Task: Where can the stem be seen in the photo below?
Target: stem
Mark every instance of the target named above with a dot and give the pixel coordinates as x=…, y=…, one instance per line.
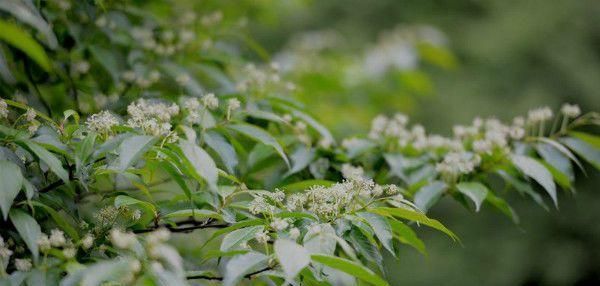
x=249, y=275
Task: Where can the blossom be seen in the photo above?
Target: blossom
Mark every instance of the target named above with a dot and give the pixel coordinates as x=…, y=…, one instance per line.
x=279, y=224
x=120, y=239
x=3, y=109
x=30, y=114
x=101, y=122
x=349, y=171
x=294, y=233
x=455, y=164
x=57, y=238
x=570, y=110
x=69, y=252
x=44, y=242
x=262, y=237
x=210, y=101
x=23, y=264
x=158, y=236
x=87, y=242
x=539, y=115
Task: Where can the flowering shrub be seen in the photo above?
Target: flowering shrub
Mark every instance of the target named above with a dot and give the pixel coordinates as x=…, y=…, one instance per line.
x=105, y=191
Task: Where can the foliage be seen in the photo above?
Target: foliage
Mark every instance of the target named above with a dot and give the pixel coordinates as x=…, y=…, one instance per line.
x=199, y=141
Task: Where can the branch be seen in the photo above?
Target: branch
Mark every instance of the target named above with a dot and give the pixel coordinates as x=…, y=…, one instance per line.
x=179, y=228
x=206, y=277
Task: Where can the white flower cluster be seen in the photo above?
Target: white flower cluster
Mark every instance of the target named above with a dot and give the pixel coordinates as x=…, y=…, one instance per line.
x=102, y=122
x=143, y=81
x=57, y=239
x=5, y=252
x=3, y=109
x=266, y=202
x=570, y=110
x=352, y=172
x=166, y=43
x=196, y=108
x=152, y=117
x=539, y=115
x=456, y=164
x=258, y=80
x=122, y=239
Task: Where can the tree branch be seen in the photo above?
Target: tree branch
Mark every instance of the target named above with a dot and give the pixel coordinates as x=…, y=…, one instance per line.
x=206, y=277
x=194, y=224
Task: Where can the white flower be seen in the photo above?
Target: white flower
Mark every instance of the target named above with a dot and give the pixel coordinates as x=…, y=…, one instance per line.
x=57, y=238
x=33, y=127
x=154, y=75
x=456, y=164
x=539, y=115
x=279, y=224
x=3, y=109
x=191, y=104
x=295, y=202
x=81, y=67
x=233, y=104
x=5, y=252
x=69, y=252
x=23, y=264
x=137, y=214
x=483, y=146
x=87, y=242
x=294, y=233
x=210, y=101
x=30, y=114
x=135, y=266
x=571, y=110
x=350, y=172
x=129, y=76
x=260, y=205
x=44, y=242
x=102, y=122
x=120, y=239
x=262, y=237
x=158, y=236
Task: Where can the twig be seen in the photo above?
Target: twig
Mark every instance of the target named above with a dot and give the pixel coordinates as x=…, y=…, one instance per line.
x=206, y=277
x=179, y=228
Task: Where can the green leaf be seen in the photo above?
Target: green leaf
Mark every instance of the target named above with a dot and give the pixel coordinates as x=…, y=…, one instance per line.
x=45, y=156
x=28, y=229
x=353, y=268
x=503, y=206
x=301, y=157
x=382, y=229
x=58, y=219
x=237, y=237
x=241, y=265
x=292, y=257
x=106, y=58
x=406, y=235
x=321, y=129
x=132, y=149
x=218, y=143
x=177, y=177
x=20, y=39
x=429, y=194
x=475, y=191
x=562, y=149
x=11, y=180
x=414, y=216
x=233, y=227
x=31, y=16
x=538, y=172
x=561, y=178
x=584, y=149
x=202, y=165
x=261, y=136
x=588, y=138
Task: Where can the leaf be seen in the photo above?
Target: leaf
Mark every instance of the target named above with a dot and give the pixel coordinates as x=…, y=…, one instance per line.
x=382, y=229
x=503, y=206
x=407, y=236
x=301, y=157
x=561, y=178
x=227, y=153
x=556, y=159
x=240, y=265
x=177, y=177
x=20, y=39
x=588, y=138
x=132, y=149
x=28, y=229
x=58, y=219
x=45, y=156
x=584, y=149
x=5, y=71
x=564, y=150
x=321, y=129
x=233, y=227
x=98, y=273
x=292, y=257
x=11, y=180
x=477, y=192
x=350, y=267
x=320, y=239
x=237, y=237
x=538, y=172
x=261, y=136
x=414, y=216
x=175, y=71
x=201, y=163
x=107, y=60
x=429, y=194
x=32, y=17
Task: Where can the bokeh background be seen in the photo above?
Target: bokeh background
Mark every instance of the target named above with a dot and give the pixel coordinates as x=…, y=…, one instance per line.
x=443, y=63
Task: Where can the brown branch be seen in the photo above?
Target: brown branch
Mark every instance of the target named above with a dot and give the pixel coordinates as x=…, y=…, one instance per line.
x=206, y=277
x=194, y=224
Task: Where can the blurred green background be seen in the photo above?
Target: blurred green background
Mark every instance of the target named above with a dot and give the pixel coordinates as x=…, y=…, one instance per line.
x=493, y=58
